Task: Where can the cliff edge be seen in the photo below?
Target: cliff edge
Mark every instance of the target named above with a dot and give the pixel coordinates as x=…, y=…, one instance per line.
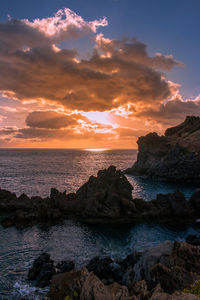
x=175, y=156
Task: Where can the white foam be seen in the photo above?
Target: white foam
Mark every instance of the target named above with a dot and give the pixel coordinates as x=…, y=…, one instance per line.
x=25, y=290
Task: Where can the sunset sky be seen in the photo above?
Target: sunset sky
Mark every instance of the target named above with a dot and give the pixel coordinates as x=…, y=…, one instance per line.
x=96, y=74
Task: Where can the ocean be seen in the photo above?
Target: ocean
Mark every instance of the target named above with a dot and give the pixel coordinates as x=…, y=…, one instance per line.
x=34, y=172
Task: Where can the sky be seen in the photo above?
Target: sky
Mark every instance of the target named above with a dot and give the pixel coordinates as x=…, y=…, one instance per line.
x=96, y=74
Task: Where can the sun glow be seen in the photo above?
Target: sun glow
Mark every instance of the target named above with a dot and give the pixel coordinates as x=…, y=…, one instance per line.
x=96, y=149
x=102, y=117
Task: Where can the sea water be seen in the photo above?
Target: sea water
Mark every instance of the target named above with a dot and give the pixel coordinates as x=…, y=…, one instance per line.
x=34, y=172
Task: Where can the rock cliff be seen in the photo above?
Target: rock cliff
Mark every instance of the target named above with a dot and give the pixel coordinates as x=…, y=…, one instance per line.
x=174, y=156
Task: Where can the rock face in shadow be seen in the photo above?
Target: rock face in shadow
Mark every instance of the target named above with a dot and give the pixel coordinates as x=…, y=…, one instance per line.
x=107, y=196
x=104, y=199
x=174, y=265
x=172, y=157
x=43, y=269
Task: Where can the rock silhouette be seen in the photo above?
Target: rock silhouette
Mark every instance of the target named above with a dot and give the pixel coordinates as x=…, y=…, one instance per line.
x=172, y=157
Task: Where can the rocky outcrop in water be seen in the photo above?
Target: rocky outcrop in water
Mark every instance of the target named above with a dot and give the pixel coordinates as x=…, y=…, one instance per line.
x=172, y=157
x=162, y=272
x=43, y=269
x=105, y=199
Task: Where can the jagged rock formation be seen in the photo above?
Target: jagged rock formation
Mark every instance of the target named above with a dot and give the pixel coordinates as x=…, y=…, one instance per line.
x=162, y=272
x=105, y=199
x=172, y=157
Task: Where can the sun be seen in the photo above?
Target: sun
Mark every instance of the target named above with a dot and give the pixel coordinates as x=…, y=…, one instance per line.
x=102, y=117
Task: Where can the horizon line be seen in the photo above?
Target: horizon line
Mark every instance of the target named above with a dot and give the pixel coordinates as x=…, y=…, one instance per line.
x=76, y=148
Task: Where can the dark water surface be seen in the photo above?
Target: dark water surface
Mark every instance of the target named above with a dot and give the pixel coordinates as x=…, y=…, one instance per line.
x=34, y=172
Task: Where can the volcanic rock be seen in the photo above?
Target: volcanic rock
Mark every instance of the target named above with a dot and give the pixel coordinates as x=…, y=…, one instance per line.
x=172, y=157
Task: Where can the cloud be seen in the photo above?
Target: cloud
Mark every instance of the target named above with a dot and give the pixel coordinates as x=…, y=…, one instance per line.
x=129, y=133
x=132, y=50
x=172, y=111
x=35, y=67
x=64, y=24
x=16, y=35
x=50, y=120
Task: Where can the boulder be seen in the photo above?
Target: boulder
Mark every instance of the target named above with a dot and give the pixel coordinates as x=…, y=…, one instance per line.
x=173, y=204
x=103, y=268
x=158, y=294
x=94, y=289
x=174, y=265
x=68, y=284
x=193, y=240
x=65, y=266
x=42, y=270
x=81, y=284
x=194, y=202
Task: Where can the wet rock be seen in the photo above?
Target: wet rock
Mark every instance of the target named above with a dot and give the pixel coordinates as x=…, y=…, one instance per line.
x=150, y=258
x=193, y=239
x=103, y=268
x=125, y=272
x=174, y=156
x=195, y=202
x=8, y=200
x=65, y=266
x=42, y=270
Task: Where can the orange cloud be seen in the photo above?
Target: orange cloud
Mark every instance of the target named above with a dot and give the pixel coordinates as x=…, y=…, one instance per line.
x=115, y=95
x=50, y=120
x=117, y=73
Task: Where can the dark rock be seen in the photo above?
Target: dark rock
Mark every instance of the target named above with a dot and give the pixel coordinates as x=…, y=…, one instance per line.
x=195, y=202
x=173, y=157
x=161, y=272
x=80, y=284
x=106, y=197
x=65, y=266
x=42, y=270
x=173, y=204
x=193, y=240
x=45, y=275
x=140, y=289
x=102, y=268
x=174, y=265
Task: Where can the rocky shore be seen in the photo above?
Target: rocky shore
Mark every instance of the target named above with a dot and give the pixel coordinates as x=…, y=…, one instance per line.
x=169, y=271
x=105, y=199
x=175, y=156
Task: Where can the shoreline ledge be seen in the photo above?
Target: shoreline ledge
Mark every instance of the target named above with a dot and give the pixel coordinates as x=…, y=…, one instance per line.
x=104, y=199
